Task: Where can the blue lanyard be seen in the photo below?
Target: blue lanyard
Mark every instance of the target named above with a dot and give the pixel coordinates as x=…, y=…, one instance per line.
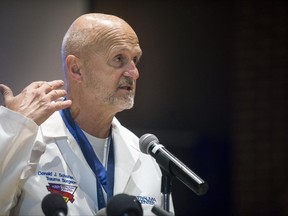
x=104, y=179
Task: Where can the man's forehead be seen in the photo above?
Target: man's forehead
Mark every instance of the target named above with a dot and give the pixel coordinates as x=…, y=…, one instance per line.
x=135, y=48
x=116, y=38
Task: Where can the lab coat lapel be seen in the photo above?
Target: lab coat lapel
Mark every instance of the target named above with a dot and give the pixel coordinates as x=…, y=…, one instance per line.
x=126, y=156
x=79, y=167
x=72, y=154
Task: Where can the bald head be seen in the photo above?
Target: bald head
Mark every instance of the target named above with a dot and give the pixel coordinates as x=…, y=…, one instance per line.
x=95, y=32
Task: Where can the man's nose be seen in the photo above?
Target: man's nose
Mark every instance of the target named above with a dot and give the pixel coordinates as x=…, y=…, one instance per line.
x=131, y=71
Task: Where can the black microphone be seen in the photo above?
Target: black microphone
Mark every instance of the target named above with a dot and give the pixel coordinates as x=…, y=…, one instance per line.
x=157, y=210
x=149, y=144
x=53, y=204
x=124, y=205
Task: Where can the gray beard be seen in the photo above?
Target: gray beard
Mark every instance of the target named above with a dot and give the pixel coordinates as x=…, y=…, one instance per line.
x=123, y=103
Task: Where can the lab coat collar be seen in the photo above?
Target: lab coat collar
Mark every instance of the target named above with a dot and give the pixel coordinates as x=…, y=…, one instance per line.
x=54, y=126
x=126, y=151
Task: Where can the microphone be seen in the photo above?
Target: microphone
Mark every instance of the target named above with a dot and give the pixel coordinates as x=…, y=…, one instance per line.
x=160, y=212
x=124, y=205
x=53, y=204
x=149, y=144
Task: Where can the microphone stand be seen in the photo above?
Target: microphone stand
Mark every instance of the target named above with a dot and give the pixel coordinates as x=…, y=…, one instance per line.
x=166, y=185
x=160, y=211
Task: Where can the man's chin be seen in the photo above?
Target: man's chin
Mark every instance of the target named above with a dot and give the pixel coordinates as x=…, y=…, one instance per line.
x=125, y=105
x=130, y=106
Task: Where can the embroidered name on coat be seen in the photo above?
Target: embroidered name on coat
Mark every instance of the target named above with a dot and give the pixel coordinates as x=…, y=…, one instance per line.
x=146, y=200
x=60, y=183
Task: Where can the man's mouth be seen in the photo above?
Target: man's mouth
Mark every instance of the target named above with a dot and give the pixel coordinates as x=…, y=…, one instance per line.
x=126, y=84
x=127, y=88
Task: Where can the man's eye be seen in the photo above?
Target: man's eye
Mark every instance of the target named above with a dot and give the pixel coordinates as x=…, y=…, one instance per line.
x=136, y=60
x=119, y=58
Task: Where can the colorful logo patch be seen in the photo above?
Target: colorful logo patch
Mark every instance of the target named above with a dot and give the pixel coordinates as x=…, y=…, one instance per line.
x=67, y=191
x=60, y=183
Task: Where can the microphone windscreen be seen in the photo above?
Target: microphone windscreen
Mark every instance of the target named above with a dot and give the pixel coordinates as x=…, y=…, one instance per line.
x=124, y=204
x=53, y=203
x=146, y=141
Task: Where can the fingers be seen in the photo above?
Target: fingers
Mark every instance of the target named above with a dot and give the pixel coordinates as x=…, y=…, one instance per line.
x=59, y=105
x=56, y=94
x=55, y=84
x=37, y=101
x=6, y=92
x=46, y=86
x=53, y=91
x=36, y=85
x=43, y=84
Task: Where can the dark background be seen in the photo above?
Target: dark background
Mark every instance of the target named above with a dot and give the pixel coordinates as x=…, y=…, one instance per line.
x=213, y=89
x=184, y=91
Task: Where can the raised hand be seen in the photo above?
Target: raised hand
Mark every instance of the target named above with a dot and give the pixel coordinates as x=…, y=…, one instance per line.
x=37, y=101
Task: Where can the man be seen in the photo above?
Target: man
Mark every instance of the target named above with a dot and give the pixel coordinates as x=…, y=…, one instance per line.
x=75, y=146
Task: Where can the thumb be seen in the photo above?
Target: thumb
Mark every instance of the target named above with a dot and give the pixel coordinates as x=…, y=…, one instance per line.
x=6, y=92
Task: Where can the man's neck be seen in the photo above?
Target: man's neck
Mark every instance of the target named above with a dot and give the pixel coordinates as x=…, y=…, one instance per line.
x=97, y=123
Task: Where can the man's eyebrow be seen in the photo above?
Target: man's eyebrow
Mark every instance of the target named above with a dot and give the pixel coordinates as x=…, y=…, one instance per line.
x=116, y=49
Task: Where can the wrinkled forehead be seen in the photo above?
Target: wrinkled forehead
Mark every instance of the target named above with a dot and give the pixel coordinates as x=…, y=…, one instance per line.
x=110, y=34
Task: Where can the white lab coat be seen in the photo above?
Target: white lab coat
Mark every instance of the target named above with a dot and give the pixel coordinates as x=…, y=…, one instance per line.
x=34, y=160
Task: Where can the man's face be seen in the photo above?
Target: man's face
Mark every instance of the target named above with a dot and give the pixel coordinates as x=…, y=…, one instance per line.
x=111, y=73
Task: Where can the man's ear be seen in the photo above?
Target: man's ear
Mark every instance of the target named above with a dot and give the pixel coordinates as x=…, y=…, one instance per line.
x=73, y=67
